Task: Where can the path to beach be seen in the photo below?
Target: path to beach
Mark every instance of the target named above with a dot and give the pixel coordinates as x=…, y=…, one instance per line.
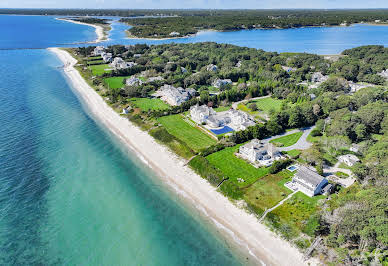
x=235, y=223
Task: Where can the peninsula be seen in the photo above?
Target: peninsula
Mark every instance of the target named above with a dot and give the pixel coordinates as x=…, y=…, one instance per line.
x=101, y=26
x=256, y=140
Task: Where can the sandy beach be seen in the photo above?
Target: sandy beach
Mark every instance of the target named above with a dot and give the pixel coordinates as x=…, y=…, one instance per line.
x=236, y=223
x=99, y=29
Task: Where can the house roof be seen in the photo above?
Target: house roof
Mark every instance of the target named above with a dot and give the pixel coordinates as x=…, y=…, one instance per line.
x=309, y=176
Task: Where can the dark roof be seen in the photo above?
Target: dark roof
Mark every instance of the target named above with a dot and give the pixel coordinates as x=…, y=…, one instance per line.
x=309, y=176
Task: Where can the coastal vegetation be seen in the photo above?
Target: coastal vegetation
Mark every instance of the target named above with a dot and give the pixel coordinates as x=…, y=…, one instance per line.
x=347, y=121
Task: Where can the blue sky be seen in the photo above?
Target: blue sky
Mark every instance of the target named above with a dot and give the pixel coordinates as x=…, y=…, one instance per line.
x=255, y=4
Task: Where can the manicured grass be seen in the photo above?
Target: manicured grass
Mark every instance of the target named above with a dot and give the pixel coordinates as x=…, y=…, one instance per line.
x=189, y=134
x=234, y=167
x=296, y=215
x=342, y=175
x=116, y=82
x=267, y=191
x=98, y=70
x=95, y=62
x=287, y=140
x=94, y=57
x=266, y=104
x=146, y=104
x=293, y=153
x=222, y=108
x=312, y=139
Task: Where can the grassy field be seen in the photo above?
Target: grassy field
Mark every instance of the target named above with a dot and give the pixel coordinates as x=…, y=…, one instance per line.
x=296, y=215
x=266, y=104
x=95, y=62
x=267, y=191
x=287, y=140
x=192, y=136
x=234, y=167
x=222, y=108
x=98, y=70
x=293, y=153
x=115, y=82
x=146, y=104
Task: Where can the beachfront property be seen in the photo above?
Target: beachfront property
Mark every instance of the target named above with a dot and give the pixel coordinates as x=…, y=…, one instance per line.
x=174, y=33
x=119, y=63
x=99, y=50
x=288, y=69
x=348, y=159
x=354, y=87
x=221, y=83
x=174, y=96
x=212, y=68
x=133, y=81
x=107, y=57
x=259, y=153
x=384, y=74
x=309, y=182
x=201, y=114
x=318, y=77
x=157, y=78
x=234, y=119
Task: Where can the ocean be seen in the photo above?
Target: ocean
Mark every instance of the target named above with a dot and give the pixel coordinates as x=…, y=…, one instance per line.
x=69, y=193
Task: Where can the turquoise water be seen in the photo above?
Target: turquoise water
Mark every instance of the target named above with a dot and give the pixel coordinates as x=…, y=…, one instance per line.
x=70, y=195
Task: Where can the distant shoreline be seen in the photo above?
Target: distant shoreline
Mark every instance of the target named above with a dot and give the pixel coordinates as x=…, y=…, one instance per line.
x=131, y=36
x=99, y=29
x=247, y=232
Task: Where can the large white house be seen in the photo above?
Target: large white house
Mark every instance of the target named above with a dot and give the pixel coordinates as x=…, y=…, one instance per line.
x=257, y=152
x=235, y=119
x=212, y=68
x=133, y=81
x=99, y=50
x=107, y=57
x=240, y=120
x=310, y=182
x=318, y=77
x=201, y=114
x=220, y=83
x=174, y=96
x=348, y=159
x=119, y=63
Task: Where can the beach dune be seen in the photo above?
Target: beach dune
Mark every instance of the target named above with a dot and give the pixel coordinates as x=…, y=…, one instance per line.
x=236, y=223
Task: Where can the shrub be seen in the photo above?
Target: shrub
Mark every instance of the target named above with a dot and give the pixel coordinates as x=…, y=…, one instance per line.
x=277, y=166
x=202, y=167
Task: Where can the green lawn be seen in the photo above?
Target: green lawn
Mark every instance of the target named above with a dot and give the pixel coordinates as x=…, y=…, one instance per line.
x=267, y=191
x=222, y=108
x=266, y=104
x=146, y=104
x=189, y=134
x=293, y=153
x=287, y=140
x=234, y=167
x=95, y=62
x=116, y=82
x=98, y=70
x=296, y=215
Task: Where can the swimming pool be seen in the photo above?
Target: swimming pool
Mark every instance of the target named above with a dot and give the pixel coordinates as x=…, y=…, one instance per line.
x=223, y=130
x=292, y=168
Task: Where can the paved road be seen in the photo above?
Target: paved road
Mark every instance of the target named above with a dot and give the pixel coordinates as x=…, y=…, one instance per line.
x=301, y=144
x=330, y=173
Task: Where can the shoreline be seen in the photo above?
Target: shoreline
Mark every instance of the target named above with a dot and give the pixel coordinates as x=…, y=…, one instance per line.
x=133, y=37
x=98, y=29
x=247, y=232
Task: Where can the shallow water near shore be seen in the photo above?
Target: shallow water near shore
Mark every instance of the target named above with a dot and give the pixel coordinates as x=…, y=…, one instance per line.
x=70, y=194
